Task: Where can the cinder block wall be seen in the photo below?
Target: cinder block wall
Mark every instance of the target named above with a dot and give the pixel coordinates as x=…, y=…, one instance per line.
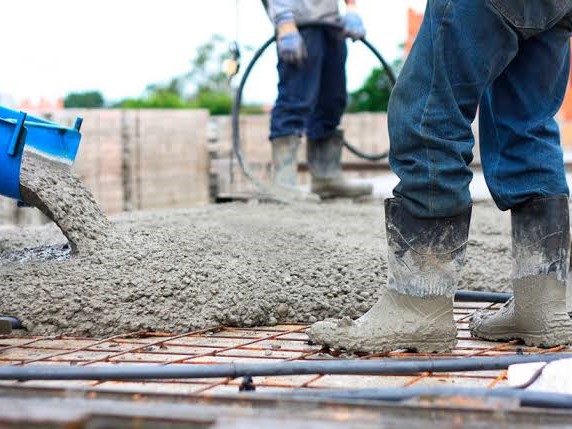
x=145, y=159
x=135, y=159
x=368, y=131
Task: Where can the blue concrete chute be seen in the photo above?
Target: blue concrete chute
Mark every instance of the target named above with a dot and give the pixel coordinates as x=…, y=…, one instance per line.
x=21, y=132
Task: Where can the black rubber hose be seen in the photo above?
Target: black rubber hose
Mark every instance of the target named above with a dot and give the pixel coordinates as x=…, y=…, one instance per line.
x=236, y=146
x=232, y=370
x=392, y=80
x=236, y=143
x=478, y=296
x=527, y=398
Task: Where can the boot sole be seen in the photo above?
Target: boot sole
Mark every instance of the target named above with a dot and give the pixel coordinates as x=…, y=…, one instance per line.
x=334, y=195
x=430, y=346
x=437, y=345
x=326, y=193
x=549, y=339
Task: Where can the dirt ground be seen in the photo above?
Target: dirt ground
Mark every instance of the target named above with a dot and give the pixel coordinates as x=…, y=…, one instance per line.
x=237, y=264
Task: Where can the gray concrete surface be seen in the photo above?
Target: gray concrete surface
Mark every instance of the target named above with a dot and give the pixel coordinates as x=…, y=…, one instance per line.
x=238, y=264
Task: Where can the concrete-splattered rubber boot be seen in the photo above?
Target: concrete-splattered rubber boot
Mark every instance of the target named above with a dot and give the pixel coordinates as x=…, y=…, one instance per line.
x=325, y=164
x=415, y=310
x=540, y=245
x=285, y=170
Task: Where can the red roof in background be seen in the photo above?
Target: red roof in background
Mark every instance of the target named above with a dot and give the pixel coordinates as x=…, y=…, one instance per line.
x=414, y=20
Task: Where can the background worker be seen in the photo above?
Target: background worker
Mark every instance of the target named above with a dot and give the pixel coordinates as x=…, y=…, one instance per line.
x=312, y=94
x=512, y=58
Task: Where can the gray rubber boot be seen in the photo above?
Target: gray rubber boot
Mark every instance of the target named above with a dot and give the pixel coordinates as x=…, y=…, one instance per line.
x=285, y=170
x=285, y=161
x=541, y=251
x=415, y=309
x=325, y=164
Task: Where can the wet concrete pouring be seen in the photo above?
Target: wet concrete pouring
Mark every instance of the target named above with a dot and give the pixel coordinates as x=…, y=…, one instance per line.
x=236, y=265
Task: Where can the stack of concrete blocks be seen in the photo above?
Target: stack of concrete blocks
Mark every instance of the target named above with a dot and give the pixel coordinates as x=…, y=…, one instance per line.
x=11, y=214
x=227, y=178
x=165, y=159
x=146, y=159
x=135, y=160
x=98, y=163
x=366, y=131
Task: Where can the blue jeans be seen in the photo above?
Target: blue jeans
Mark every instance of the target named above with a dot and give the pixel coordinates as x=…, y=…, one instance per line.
x=510, y=56
x=312, y=97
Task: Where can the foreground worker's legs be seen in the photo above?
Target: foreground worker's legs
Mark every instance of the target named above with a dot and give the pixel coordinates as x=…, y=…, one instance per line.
x=415, y=310
x=523, y=165
x=325, y=141
x=298, y=90
x=519, y=137
x=462, y=47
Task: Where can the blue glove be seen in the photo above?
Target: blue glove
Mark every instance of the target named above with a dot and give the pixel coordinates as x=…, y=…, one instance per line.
x=353, y=26
x=291, y=48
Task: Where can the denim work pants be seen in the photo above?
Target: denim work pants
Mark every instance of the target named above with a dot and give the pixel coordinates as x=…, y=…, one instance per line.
x=510, y=56
x=312, y=97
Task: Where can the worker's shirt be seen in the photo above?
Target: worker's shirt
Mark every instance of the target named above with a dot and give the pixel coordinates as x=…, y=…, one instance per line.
x=304, y=10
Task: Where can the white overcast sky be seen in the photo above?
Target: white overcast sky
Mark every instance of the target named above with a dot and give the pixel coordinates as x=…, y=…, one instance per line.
x=120, y=46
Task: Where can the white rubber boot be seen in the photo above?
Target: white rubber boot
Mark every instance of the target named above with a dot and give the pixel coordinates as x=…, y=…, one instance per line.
x=537, y=314
x=415, y=309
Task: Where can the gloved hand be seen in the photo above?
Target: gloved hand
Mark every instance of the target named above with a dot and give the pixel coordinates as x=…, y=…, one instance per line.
x=353, y=25
x=291, y=47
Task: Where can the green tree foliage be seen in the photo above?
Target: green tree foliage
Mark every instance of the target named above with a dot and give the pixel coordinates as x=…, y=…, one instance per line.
x=204, y=86
x=217, y=102
x=209, y=85
x=374, y=94
x=158, y=96
x=84, y=100
x=206, y=67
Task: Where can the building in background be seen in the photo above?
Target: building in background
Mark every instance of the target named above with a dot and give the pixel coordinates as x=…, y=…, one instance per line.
x=414, y=20
x=41, y=105
x=7, y=100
